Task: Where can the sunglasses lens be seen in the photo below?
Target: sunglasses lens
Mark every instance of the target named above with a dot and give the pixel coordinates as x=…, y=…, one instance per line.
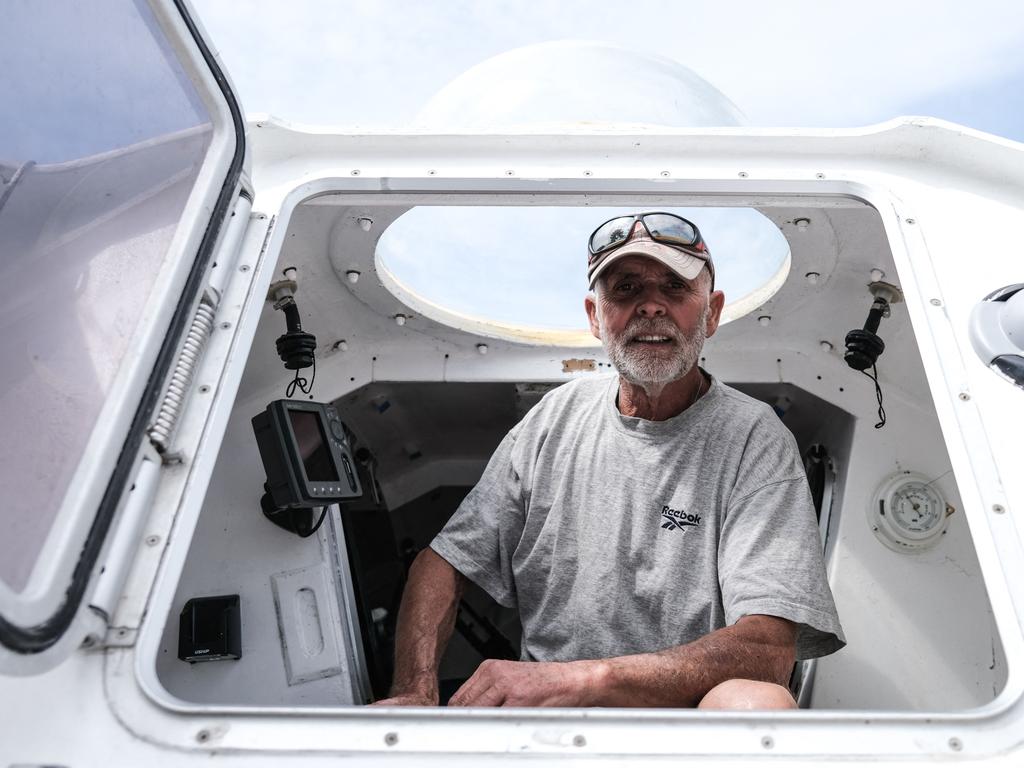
x=670, y=229
x=611, y=233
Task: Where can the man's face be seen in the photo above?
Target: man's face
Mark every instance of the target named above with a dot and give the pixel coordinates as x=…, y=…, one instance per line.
x=651, y=321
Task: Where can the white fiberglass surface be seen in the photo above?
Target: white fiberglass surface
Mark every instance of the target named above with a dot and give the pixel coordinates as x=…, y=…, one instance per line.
x=526, y=266
x=95, y=171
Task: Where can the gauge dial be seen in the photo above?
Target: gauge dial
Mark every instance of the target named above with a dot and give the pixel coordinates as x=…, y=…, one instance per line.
x=908, y=512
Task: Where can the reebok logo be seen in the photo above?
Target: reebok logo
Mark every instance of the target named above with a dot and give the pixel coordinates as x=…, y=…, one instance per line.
x=676, y=519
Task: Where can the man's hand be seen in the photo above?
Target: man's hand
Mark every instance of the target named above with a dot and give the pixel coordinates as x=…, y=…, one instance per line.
x=527, y=684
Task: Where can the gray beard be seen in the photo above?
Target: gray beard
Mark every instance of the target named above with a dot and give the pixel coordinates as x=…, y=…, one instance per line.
x=640, y=368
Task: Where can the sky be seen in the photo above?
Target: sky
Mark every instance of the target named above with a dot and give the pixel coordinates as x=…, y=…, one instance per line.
x=789, y=63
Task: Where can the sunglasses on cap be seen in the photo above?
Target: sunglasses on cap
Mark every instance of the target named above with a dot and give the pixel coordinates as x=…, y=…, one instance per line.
x=665, y=228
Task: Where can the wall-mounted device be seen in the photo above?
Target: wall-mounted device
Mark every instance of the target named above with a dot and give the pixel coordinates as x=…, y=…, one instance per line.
x=307, y=459
x=210, y=629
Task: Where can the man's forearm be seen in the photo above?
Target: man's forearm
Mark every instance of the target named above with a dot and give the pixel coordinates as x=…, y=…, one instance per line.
x=425, y=622
x=755, y=648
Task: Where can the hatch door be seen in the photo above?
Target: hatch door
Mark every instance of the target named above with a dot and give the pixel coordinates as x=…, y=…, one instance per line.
x=120, y=161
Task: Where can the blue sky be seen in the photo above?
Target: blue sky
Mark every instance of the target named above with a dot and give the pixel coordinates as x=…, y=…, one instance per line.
x=375, y=63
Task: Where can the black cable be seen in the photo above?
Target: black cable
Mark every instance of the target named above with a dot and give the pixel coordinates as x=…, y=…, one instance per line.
x=316, y=527
x=878, y=394
x=301, y=383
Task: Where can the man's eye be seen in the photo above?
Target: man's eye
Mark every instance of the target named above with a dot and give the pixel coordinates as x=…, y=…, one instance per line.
x=623, y=287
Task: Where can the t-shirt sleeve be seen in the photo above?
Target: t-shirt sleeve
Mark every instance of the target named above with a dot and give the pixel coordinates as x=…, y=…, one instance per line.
x=480, y=538
x=770, y=555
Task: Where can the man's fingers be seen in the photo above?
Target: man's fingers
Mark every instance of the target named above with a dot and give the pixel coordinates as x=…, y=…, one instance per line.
x=481, y=690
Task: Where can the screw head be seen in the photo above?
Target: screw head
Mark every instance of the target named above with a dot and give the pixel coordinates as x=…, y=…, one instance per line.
x=998, y=509
x=225, y=325
x=955, y=744
x=204, y=388
x=819, y=175
x=964, y=396
x=391, y=738
x=579, y=741
x=244, y=268
x=767, y=742
x=354, y=172
x=743, y=174
x=152, y=541
x=935, y=302
x=203, y=736
x=911, y=221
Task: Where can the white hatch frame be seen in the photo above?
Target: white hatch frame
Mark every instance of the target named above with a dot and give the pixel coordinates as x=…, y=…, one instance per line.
x=882, y=167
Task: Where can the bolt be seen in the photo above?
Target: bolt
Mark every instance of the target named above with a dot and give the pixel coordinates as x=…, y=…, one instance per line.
x=340, y=346
x=665, y=173
x=812, y=278
x=743, y=174
x=911, y=221
x=935, y=302
x=510, y=172
x=391, y=738
x=353, y=276
x=767, y=742
x=203, y=736
x=365, y=223
x=579, y=741
x=354, y=171
x=588, y=173
x=764, y=320
x=826, y=346
x=400, y=319
x=955, y=744
x=964, y=396
x=802, y=223
x=203, y=389
x=998, y=509
x=876, y=275
x=431, y=172
x=152, y=541
x=244, y=268
x=481, y=348
x=225, y=325
x=819, y=175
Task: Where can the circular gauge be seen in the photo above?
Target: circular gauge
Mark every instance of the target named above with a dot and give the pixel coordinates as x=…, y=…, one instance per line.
x=908, y=512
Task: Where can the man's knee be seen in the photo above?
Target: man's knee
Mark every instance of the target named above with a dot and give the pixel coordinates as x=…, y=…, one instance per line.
x=747, y=694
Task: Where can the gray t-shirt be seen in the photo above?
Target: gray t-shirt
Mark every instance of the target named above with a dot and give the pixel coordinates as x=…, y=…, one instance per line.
x=615, y=535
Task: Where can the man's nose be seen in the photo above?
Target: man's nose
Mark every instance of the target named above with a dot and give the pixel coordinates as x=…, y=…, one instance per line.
x=650, y=304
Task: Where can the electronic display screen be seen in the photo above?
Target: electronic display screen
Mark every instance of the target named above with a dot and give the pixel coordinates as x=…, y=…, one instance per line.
x=312, y=442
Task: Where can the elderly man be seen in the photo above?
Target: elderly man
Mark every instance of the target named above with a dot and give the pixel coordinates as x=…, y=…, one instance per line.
x=654, y=529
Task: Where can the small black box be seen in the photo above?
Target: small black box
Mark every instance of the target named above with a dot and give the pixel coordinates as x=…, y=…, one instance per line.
x=210, y=629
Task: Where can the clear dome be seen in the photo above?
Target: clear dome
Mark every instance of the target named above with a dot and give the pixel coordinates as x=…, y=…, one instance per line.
x=575, y=82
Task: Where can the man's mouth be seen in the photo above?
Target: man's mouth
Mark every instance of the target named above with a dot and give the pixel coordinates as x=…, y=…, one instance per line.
x=651, y=339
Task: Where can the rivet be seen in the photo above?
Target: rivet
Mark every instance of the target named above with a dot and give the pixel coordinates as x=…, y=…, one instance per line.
x=579, y=741
x=935, y=302
x=481, y=348
x=665, y=173
x=743, y=174
x=588, y=173
x=340, y=346
x=353, y=276
x=826, y=346
x=819, y=175
x=767, y=742
x=911, y=221
x=391, y=738
x=365, y=223
x=764, y=320
x=431, y=172
x=964, y=396
x=812, y=278
x=244, y=268
x=203, y=736
x=955, y=744
x=802, y=223
x=998, y=509
x=400, y=319
x=354, y=171
x=225, y=325
x=204, y=388
x=510, y=172
x=877, y=275
x=152, y=541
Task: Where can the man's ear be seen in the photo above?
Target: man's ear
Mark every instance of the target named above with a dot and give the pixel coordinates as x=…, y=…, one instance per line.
x=716, y=302
x=590, y=303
